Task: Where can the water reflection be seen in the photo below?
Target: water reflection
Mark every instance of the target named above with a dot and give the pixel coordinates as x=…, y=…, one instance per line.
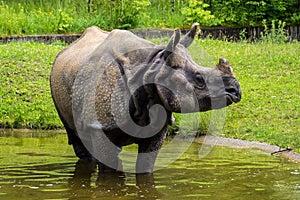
x=109, y=184
x=56, y=181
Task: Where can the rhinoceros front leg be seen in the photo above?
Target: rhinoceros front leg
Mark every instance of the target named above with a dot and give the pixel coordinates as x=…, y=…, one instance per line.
x=145, y=162
x=147, y=153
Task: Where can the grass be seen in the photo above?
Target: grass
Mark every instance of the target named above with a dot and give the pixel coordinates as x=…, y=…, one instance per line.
x=25, y=99
x=269, y=75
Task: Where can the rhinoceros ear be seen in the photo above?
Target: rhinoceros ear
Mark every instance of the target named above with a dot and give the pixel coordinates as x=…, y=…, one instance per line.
x=172, y=43
x=188, y=39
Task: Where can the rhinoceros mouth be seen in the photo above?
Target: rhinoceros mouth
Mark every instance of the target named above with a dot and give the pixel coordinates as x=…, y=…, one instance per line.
x=232, y=97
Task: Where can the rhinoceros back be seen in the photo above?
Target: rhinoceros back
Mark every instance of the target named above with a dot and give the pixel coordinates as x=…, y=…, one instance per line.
x=65, y=67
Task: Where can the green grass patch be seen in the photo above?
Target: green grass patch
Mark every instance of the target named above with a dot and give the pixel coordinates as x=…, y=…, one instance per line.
x=25, y=99
x=269, y=75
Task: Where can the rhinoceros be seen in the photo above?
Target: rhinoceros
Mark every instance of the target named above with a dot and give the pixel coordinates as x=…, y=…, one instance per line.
x=113, y=89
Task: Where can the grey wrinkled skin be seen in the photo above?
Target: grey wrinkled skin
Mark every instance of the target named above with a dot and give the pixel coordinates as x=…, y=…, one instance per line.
x=113, y=89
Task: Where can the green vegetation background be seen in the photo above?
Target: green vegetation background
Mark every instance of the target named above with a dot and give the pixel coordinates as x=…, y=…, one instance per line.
x=268, y=72
x=65, y=16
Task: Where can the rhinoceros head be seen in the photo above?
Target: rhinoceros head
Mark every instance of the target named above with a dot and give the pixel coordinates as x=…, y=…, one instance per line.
x=184, y=86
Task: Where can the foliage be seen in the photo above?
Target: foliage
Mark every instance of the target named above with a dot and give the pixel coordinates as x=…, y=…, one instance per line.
x=64, y=21
x=57, y=16
x=166, y=13
x=273, y=34
x=252, y=13
x=122, y=13
x=195, y=12
x=16, y=20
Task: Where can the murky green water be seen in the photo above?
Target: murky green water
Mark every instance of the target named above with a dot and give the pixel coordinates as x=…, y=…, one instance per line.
x=41, y=166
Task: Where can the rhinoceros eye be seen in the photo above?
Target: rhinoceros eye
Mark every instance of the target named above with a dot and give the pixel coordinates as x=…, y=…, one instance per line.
x=200, y=82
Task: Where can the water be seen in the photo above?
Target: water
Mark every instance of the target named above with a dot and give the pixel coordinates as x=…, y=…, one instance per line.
x=41, y=165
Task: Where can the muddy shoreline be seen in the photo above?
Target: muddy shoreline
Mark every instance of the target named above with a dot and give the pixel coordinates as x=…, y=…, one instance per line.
x=237, y=143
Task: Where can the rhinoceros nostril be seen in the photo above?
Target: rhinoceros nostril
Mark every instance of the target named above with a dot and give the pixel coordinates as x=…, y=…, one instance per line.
x=231, y=91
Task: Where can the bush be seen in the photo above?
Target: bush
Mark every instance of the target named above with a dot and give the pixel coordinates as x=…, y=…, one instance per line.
x=57, y=16
x=195, y=12
x=274, y=34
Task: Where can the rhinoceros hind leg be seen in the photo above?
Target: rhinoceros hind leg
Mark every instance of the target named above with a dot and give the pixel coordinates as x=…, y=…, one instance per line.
x=79, y=149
